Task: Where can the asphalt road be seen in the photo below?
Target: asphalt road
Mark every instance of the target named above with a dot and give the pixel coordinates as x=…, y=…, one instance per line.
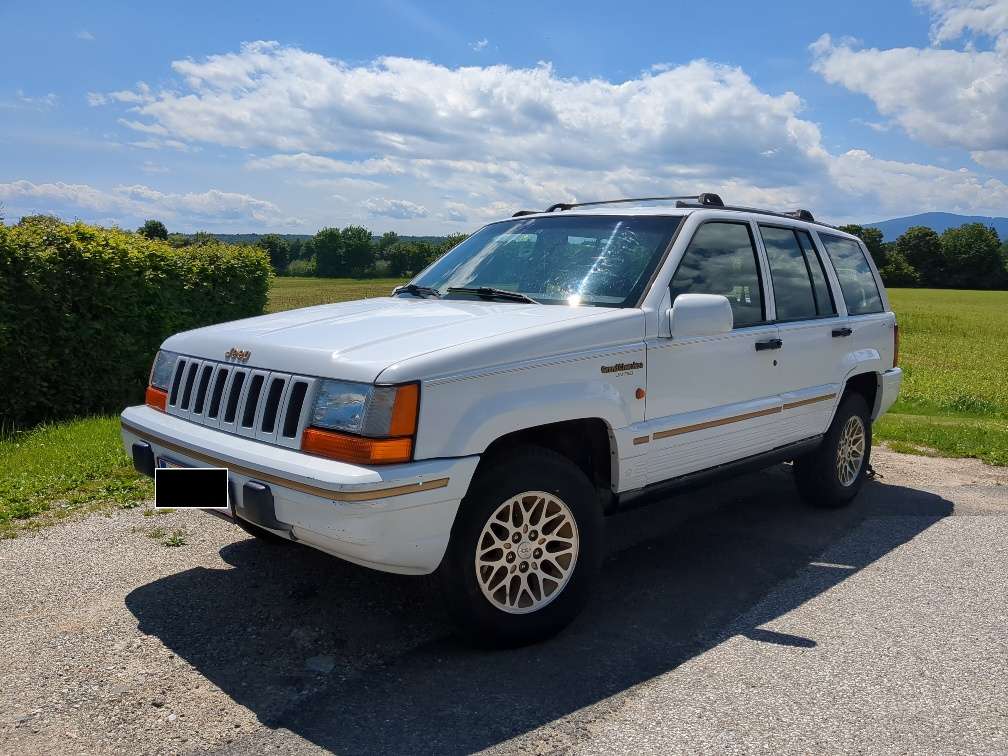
x=731, y=619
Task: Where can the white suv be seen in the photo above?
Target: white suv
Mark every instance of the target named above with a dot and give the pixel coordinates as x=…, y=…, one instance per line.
x=481, y=421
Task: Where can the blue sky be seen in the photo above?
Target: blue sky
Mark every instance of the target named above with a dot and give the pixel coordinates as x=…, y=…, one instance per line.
x=435, y=117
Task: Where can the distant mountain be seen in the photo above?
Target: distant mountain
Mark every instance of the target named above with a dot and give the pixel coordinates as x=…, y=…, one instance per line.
x=893, y=228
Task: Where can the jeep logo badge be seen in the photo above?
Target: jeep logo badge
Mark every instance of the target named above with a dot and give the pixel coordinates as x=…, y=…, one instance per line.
x=238, y=355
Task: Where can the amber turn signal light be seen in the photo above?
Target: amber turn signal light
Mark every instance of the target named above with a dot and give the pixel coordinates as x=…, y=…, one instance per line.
x=404, y=410
x=156, y=398
x=364, y=451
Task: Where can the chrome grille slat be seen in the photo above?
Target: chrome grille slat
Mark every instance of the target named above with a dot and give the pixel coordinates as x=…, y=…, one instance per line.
x=233, y=394
x=188, y=385
x=221, y=375
x=250, y=403
x=293, y=409
x=275, y=387
x=201, y=386
x=221, y=385
x=176, y=380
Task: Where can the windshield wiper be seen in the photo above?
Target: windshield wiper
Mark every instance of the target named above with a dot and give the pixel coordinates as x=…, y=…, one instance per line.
x=491, y=293
x=420, y=291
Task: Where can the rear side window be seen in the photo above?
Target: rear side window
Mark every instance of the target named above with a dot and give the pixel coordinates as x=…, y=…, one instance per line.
x=789, y=272
x=721, y=259
x=856, y=280
x=823, y=296
x=799, y=280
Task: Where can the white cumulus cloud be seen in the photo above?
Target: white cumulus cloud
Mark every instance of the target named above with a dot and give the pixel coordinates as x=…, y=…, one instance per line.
x=394, y=208
x=131, y=203
x=953, y=18
x=397, y=136
x=943, y=97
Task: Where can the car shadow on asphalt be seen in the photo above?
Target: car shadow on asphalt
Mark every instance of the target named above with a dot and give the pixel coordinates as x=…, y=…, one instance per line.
x=357, y=661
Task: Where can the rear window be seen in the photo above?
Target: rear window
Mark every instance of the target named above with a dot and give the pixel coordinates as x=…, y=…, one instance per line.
x=856, y=280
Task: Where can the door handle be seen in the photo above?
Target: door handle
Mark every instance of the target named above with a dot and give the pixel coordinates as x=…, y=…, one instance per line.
x=842, y=332
x=769, y=344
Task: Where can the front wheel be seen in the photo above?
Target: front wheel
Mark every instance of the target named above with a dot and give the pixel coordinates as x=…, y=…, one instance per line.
x=524, y=551
x=833, y=474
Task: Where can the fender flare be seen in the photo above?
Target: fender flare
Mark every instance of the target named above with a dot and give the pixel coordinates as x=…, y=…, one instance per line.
x=862, y=362
x=523, y=408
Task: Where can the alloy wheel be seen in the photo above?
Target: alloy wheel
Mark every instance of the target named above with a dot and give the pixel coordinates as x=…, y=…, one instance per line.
x=850, y=451
x=526, y=552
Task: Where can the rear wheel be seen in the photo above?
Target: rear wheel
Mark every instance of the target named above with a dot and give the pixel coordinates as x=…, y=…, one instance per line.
x=525, y=550
x=832, y=475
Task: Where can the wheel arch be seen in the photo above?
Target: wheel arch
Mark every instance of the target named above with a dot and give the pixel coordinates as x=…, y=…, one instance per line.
x=867, y=385
x=587, y=442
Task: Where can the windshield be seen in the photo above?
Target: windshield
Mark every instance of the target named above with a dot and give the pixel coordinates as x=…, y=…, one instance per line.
x=601, y=260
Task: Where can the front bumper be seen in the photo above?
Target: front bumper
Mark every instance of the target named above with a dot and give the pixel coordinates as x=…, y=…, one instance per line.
x=395, y=518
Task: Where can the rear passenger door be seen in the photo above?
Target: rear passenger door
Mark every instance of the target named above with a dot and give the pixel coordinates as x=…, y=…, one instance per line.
x=810, y=361
x=871, y=327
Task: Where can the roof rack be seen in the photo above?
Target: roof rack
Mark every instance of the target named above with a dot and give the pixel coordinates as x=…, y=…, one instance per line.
x=799, y=214
x=702, y=200
x=705, y=199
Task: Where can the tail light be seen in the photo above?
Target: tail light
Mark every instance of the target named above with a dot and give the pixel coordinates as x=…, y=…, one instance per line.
x=895, y=345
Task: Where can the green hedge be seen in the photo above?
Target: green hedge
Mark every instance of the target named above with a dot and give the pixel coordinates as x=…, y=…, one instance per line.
x=84, y=309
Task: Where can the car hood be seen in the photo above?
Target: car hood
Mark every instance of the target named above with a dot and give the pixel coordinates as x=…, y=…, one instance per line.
x=358, y=340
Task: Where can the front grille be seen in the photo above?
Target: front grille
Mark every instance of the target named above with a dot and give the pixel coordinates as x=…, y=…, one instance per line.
x=261, y=404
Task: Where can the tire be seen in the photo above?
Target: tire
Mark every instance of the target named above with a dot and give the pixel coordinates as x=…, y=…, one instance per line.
x=547, y=576
x=261, y=534
x=832, y=475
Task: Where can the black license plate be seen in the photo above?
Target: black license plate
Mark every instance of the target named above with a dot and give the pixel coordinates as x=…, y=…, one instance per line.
x=177, y=486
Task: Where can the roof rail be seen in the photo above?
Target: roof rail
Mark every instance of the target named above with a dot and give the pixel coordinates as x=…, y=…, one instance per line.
x=706, y=199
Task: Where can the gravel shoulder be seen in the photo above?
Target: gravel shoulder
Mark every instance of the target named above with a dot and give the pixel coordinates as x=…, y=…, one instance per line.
x=731, y=619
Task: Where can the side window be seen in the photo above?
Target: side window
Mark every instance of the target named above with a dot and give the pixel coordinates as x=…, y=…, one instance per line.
x=792, y=284
x=823, y=296
x=857, y=283
x=721, y=259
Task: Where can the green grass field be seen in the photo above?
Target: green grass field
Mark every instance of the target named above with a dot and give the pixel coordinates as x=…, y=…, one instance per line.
x=954, y=402
x=954, y=354
x=57, y=470
x=291, y=293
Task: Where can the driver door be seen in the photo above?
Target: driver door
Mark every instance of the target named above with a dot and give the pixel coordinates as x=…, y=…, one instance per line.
x=711, y=399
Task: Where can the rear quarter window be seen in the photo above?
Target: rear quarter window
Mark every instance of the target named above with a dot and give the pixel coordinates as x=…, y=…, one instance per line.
x=860, y=291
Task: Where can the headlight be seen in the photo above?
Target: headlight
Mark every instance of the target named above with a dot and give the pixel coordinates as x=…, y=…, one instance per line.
x=381, y=419
x=340, y=405
x=161, y=372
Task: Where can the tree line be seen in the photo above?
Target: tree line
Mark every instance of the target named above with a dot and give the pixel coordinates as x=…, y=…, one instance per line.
x=351, y=252
x=971, y=256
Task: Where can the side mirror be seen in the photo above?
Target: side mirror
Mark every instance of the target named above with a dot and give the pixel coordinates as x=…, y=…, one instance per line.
x=700, y=315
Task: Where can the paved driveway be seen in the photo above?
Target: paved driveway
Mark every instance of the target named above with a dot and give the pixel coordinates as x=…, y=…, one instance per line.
x=731, y=619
